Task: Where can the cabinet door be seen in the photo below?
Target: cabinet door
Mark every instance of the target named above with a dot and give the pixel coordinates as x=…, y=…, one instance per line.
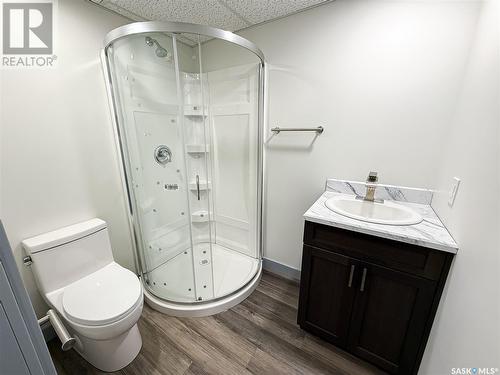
x=389, y=315
x=327, y=290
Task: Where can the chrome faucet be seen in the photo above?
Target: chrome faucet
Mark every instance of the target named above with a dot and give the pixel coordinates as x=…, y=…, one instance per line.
x=371, y=186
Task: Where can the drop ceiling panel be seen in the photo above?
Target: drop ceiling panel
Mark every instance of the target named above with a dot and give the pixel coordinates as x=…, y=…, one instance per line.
x=117, y=9
x=203, y=12
x=229, y=15
x=258, y=11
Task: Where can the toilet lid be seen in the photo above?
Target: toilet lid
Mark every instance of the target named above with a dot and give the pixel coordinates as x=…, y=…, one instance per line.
x=102, y=297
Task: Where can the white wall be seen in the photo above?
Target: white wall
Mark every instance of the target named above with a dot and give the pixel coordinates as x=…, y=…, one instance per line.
x=382, y=77
x=466, y=331
x=57, y=141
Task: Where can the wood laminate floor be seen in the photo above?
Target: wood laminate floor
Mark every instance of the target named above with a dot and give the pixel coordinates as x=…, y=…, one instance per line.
x=259, y=336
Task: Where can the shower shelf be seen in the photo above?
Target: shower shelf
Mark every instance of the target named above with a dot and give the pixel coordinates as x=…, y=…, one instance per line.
x=194, y=110
x=197, y=149
x=200, y=216
x=203, y=185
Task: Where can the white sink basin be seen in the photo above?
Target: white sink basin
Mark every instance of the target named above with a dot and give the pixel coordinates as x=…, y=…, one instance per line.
x=388, y=213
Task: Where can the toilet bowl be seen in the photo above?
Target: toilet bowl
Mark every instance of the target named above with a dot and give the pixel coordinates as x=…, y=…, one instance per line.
x=99, y=301
x=101, y=311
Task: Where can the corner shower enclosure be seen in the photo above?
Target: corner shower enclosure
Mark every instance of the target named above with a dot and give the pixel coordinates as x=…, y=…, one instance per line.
x=188, y=106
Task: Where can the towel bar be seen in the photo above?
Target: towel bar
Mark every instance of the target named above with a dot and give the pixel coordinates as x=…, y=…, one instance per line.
x=277, y=130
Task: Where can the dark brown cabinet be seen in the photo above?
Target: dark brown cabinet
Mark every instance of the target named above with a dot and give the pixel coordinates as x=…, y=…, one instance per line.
x=330, y=303
x=374, y=297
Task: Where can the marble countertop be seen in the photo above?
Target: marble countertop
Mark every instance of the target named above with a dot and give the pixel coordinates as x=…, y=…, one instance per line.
x=430, y=233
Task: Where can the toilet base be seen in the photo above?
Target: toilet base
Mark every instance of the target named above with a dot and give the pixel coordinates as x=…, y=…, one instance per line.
x=111, y=355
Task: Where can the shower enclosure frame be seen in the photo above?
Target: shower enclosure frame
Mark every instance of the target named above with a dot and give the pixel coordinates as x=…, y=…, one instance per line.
x=195, y=308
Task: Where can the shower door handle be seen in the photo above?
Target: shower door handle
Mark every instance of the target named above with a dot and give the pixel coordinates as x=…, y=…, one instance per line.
x=198, y=186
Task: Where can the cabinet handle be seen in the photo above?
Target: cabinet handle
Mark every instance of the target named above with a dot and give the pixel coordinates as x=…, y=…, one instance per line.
x=351, y=275
x=363, y=279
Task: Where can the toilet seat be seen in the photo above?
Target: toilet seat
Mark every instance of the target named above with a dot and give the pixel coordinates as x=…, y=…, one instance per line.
x=102, y=297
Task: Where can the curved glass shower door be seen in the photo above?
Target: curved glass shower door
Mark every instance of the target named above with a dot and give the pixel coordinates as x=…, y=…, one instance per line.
x=188, y=124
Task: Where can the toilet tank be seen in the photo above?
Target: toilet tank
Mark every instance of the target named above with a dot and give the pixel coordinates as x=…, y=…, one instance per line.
x=65, y=255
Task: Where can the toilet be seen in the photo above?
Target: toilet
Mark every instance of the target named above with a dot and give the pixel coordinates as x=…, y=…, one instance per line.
x=99, y=301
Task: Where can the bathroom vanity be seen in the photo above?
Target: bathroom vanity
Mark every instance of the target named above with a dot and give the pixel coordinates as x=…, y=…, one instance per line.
x=373, y=289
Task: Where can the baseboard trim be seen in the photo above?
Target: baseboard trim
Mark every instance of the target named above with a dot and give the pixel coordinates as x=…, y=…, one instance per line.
x=281, y=269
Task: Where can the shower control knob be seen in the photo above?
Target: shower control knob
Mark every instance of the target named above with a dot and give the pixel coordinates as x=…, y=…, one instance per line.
x=163, y=155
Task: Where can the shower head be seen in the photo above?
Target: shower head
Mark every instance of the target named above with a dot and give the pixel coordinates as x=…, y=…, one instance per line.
x=160, y=51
